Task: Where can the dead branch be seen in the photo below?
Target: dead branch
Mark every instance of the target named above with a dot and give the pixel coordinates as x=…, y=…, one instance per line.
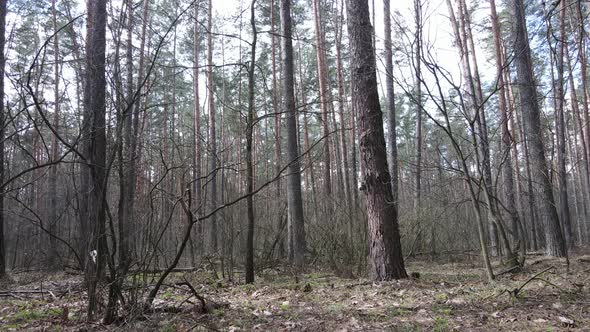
x=516, y=291
x=194, y=291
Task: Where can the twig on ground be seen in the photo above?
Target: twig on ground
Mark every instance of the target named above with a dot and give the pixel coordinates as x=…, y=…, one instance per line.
x=536, y=276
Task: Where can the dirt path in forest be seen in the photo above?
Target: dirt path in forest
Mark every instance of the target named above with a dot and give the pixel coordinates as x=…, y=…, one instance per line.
x=446, y=297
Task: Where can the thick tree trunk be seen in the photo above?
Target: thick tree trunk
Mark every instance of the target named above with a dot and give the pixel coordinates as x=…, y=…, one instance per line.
x=294, y=179
x=94, y=149
x=385, y=253
x=507, y=169
x=555, y=244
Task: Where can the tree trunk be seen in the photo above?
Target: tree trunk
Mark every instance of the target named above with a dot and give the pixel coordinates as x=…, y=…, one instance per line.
x=249, y=164
x=94, y=149
x=391, y=130
x=342, y=104
x=564, y=211
x=294, y=179
x=325, y=101
x=507, y=169
x=582, y=36
x=2, y=131
x=555, y=245
x=418, y=139
x=52, y=215
x=385, y=254
x=198, y=203
x=212, y=243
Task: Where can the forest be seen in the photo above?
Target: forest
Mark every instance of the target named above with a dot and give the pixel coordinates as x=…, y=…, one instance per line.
x=306, y=165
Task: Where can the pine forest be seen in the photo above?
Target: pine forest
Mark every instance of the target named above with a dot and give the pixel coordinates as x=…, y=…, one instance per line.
x=294, y=165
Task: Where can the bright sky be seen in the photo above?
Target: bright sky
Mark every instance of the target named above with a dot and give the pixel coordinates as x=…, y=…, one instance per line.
x=438, y=30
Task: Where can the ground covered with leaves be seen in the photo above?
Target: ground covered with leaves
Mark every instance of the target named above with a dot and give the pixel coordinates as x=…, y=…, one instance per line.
x=544, y=296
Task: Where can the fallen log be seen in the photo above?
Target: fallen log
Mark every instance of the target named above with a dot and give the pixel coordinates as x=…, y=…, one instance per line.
x=155, y=271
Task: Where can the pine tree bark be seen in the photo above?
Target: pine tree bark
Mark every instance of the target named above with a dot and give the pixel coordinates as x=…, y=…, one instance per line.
x=554, y=241
x=385, y=253
x=294, y=179
x=506, y=141
x=94, y=149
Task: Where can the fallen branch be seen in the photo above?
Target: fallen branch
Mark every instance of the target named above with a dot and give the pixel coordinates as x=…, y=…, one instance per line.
x=536, y=276
x=31, y=292
x=194, y=291
x=155, y=271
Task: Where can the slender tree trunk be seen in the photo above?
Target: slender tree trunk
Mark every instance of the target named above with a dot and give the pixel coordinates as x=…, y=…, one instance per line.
x=306, y=140
x=564, y=211
x=582, y=36
x=52, y=216
x=275, y=101
x=249, y=164
x=391, y=130
x=324, y=87
x=198, y=202
x=418, y=138
x=386, y=260
x=212, y=248
x=555, y=244
x=342, y=105
x=2, y=134
x=583, y=171
x=133, y=127
x=578, y=175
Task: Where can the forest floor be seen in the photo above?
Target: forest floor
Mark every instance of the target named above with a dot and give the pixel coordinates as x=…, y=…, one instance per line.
x=445, y=297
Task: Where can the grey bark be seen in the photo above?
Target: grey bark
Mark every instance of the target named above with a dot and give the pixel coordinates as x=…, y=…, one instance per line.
x=2, y=133
x=212, y=235
x=391, y=125
x=249, y=264
x=94, y=150
x=294, y=200
x=564, y=211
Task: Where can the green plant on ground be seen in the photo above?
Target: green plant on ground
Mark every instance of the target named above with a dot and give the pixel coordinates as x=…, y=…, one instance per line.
x=440, y=324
